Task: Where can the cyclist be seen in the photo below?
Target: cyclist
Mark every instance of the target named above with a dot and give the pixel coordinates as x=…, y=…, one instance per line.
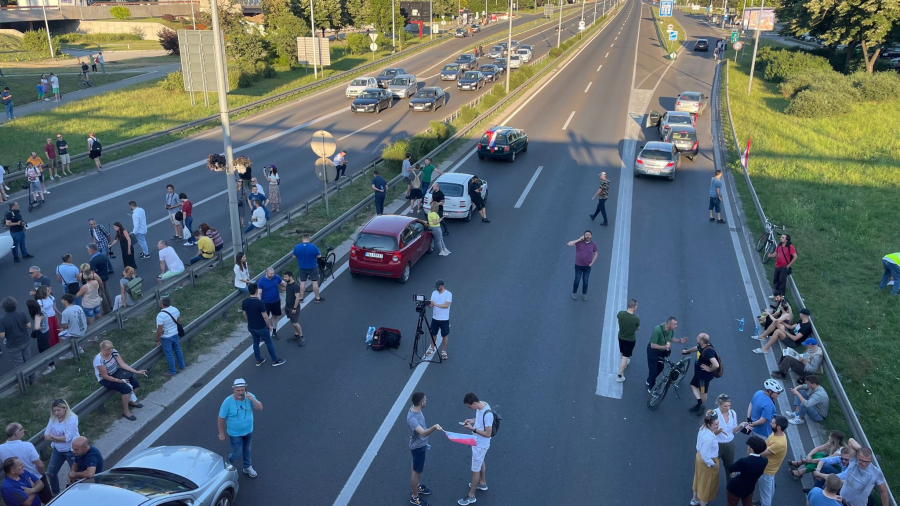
x=34, y=183
x=704, y=367
x=762, y=410
x=659, y=347
x=84, y=72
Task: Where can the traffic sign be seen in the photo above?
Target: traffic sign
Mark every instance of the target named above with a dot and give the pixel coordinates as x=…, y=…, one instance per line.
x=325, y=170
x=737, y=45
x=665, y=8
x=734, y=36
x=373, y=46
x=581, y=25
x=322, y=143
x=673, y=35
x=671, y=27
x=374, y=36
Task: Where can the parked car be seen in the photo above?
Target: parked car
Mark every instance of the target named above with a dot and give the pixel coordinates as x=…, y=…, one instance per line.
x=451, y=72
x=387, y=75
x=693, y=102
x=466, y=61
x=471, y=80
x=664, y=122
x=359, y=84
x=372, y=100
x=685, y=139
x=657, y=159
x=461, y=32
x=403, y=86
x=428, y=99
x=701, y=45
x=457, y=203
x=490, y=72
x=502, y=142
x=388, y=246
x=515, y=61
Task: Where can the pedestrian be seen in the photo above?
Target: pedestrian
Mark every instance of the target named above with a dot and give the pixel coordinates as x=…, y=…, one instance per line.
x=482, y=427
x=45, y=88
x=61, y=431
x=415, y=191
x=776, y=449
x=434, y=224
x=73, y=322
x=41, y=330
x=33, y=176
x=16, y=226
x=340, y=165
x=236, y=421
x=428, y=175
x=715, y=197
x=88, y=460
x=379, y=186
x=101, y=61
x=139, y=230
x=256, y=194
x=15, y=447
x=254, y=183
x=15, y=330
x=810, y=400
x=101, y=267
x=629, y=324
x=40, y=89
x=6, y=99
x=260, y=326
x=91, y=300
x=95, y=150
x=891, y=264
x=827, y=496
x=47, y=304
x=706, y=462
x=20, y=487
x=169, y=263
x=168, y=335
x=62, y=149
x=258, y=218
x=602, y=195
x=3, y=196
x=37, y=278
x=418, y=446
x=269, y=286
x=861, y=477
x=745, y=473
x=292, y=302
x=585, y=256
x=785, y=255
x=728, y=426
x=475, y=187
x=214, y=236
x=274, y=192
x=404, y=170
x=187, y=214
x=84, y=71
x=790, y=336
x=115, y=374
x=123, y=238
x=205, y=248
x=241, y=272
x=437, y=202
x=705, y=368
x=803, y=365
x=93, y=61
x=50, y=151
x=761, y=409
x=54, y=85
x=441, y=298
x=124, y=299
x=308, y=255
x=659, y=347
x=173, y=205
x=101, y=237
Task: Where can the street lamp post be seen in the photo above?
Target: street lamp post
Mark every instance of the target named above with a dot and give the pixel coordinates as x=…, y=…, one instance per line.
x=559, y=27
x=755, y=45
x=47, y=27
x=595, y=12
x=312, y=23
x=393, y=27
x=509, y=46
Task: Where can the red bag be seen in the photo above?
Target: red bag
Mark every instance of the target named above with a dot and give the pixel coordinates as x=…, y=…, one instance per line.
x=385, y=338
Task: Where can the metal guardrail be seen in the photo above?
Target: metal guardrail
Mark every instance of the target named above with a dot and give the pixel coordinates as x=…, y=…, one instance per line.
x=850, y=414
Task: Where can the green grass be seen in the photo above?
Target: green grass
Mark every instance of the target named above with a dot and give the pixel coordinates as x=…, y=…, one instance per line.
x=834, y=183
x=663, y=33
x=11, y=51
x=121, y=45
x=24, y=87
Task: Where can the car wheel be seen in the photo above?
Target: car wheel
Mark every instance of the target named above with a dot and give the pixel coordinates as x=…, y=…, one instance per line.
x=224, y=498
x=468, y=216
x=354, y=274
x=512, y=157
x=430, y=249
x=672, y=177
x=404, y=277
x=377, y=110
x=480, y=157
x=525, y=149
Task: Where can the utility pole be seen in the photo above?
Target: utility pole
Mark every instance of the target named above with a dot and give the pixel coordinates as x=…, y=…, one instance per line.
x=755, y=45
x=393, y=27
x=47, y=27
x=312, y=23
x=509, y=46
x=559, y=27
x=226, y=128
x=724, y=12
x=431, y=19
x=595, y=11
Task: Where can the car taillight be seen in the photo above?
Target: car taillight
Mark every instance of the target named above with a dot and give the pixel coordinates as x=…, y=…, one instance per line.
x=639, y=161
x=479, y=145
x=353, y=250
x=666, y=128
x=462, y=203
x=395, y=257
x=677, y=103
x=506, y=149
x=696, y=143
x=670, y=164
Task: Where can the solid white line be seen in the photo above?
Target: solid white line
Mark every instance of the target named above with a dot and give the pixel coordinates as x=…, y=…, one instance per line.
x=600, y=67
x=528, y=187
x=588, y=86
x=568, y=120
x=360, y=130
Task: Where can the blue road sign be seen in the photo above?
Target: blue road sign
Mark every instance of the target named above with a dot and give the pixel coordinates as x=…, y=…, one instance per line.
x=673, y=35
x=665, y=8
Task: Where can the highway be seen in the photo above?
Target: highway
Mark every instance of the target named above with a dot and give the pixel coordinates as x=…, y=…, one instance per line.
x=519, y=341
x=277, y=137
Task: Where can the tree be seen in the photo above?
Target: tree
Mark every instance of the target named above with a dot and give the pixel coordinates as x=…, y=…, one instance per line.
x=242, y=41
x=357, y=13
x=168, y=39
x=284, y=28
x=329, y=14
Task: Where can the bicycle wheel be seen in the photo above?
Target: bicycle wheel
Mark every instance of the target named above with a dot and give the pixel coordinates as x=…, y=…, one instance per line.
x=761, y=243
x=328, y=269
x=769, y=249
x=658, y=393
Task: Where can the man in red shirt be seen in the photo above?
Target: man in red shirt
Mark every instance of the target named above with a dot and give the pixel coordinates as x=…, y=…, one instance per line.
x=50, y=149
x=785, y=255
x=187, y=209
x=585, y=256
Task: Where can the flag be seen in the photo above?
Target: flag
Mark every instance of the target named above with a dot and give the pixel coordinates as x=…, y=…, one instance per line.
x=466, y=439
x=745, y=157
x=492, y=139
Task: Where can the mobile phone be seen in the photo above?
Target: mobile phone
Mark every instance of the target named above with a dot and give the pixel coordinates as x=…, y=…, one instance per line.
x=462, y=423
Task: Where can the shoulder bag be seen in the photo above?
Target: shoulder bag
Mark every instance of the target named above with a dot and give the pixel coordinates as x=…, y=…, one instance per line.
x=177, y=325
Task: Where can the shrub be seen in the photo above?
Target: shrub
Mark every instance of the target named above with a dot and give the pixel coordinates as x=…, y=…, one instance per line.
x=555, y=52
x=489, y=100
x=168, y=39
x=467, y=114
x=120, y=12
x=237, y=78
x=138, y=32
x=814, y=79
x=173, y=82
x=36, y=41
x=784, y=64
x=876, y=87
x=283, y=63
x=358, y=43
x=93, y=38
x=812, y=103
x=264, y=70
x=168, y=17
x=394, y=153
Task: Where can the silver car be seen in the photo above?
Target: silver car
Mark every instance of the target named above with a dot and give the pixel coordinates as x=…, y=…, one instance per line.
x=524, y=54
x=161, y=476
x=496, y=52
x=657, y=159
x=693, y=102
x=403, y=86
x=359, y=84
x=665, y=121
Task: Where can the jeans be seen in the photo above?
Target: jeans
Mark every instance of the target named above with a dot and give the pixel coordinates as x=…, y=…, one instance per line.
x=890, y=269
x=242, y=290
x=18, y=242
x=827, y=469
x=142, y=241
x=240, y=445
x=9, y=111
x=263, y=335
x=781, y=278
x=188, y=222
x=601, y=209
x=655, y=364
x=56, y=461
x=250, y=228
x=812, y=412
x=379, y=203
x=172, y=350
x=438, y=239
x=104, y=250
x=195, y=259
x=582, y=272
x=766, y=485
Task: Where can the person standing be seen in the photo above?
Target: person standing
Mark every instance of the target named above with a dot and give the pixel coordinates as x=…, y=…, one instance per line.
x=20, y=487
x=428, y=171
x=269, y=287
x=88, y=460
x=475, y=186
x=38, y=279
x=418, y=446
x=308, y=255
x=45, y=89
x=54, y=84
x=16, y=226
x=139, y=230
x=170, y=265
x=602, y=194
x=187, y=214
x=15, y=330
x=728, y=425
x=101, y=61
x=101, y=267
x=704, y=371
x=891, y=264
x=761, y=409
x=173, y=205
x=123, y=238
x=585, y=256
x=274, y=190
x=629, y=324
x=434, y=224
x=437, y=202
x=100, y=236
x=15, y=447
x=441, y=298
x=168, y=321
x=62, y=149
x=93, y=60
x=259, y=325
x=706, y=462
x=785, y=255
x=415, y=193
x=50, y=151
x=715, y=196
x=6, y=99
x=236, y=421
x=292, y=302
x=340, y=164
x=745, y=473
x=95, y=150
x=659, y=347
x=379, y=186
x=61, y=431
x=404, y=170
x=482, y=426
x=776, y=449
x=241, y=272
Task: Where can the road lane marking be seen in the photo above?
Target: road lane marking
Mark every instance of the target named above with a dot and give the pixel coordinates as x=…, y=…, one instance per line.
x=207, y=199
x=360, y=130
x=588, y=86
x=528, y=187
x=600, y=67
x=607, y=55
x=568, y=120
x=612, y=45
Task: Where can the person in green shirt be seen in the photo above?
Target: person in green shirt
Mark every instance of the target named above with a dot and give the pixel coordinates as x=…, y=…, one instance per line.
x=659, y=347
x=427, y=172
x=629, y=324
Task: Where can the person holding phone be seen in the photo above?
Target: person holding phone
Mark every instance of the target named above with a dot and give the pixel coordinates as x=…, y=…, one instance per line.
x=236, y=421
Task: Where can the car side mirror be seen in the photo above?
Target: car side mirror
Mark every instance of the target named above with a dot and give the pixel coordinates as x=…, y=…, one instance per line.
x=653, y=118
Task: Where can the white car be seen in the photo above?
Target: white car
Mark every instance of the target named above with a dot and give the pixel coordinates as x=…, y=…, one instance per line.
x=457, y=203
x=525, y=54
x=515, y=61
x=6, y=243
x=359, y=84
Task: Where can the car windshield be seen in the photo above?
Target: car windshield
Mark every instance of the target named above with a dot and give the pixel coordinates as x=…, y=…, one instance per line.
x=501, y=62
x=680, y=120
x=402, y=81
x=470, y=75
x=426, y=94
x=360, y=82
x=389, y=73
x=656, y=154
x=514, y=57
x=148, y=482
x=487, y=68
x=683, y=136
x=368, y=94
x=452, y=190
x=690, y=97
x=497, y=48
x=500, y=139
x=451, y=67
x=376, y=242
x=523, y=51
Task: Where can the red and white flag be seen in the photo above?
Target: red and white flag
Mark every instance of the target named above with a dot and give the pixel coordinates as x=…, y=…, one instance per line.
x=465, y=439
x=745, y=158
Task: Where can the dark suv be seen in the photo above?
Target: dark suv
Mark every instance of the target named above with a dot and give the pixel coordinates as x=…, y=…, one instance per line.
x=502, y=142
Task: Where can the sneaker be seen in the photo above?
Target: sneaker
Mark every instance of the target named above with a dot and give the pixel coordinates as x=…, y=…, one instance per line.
x=779, y=375
x=418, y=501
x=249, y=471
x=48, y=370
x=620, y=379
x=796, y=420
x=293, y=339
x=695, y=408
x=584, y=297
x=260, y=362
x=47, y=191
x=485, y=220
x=466, y=500
x=443, y=253
x=574, y=297
x=188, y=243
x=712, y=219
x=756, y=337
x=480, y=486
x=721, y=221
x=278, y=362
x=427, y=491
x=144, y=257
x=759, y=351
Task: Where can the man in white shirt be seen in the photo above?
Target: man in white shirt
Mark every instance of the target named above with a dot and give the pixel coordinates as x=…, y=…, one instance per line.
x=169, y=263
x=482, y=426
x=440, y=316
x=340, y=164
x=139, y=219
x=22, y=450
x=258, y=218
x=54, y=84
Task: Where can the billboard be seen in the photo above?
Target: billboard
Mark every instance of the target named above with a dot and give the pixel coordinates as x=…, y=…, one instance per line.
x=416, y=11
x=751, y=17
x=306, y=51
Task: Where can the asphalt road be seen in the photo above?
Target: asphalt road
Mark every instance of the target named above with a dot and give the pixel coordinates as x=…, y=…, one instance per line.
x=277, y=137
x=518, y=340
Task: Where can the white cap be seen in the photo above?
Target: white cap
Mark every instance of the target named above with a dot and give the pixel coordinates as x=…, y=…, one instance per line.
x=239, y=383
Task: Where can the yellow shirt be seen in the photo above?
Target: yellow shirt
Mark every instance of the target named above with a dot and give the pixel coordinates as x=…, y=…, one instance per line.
x=36, y=161
x=205, y=247
x=777, y=446
x=434, y=221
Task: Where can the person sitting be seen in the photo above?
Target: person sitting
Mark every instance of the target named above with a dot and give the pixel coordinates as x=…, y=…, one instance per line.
x=784, y=318
x=808, y=363
x=830, y=448
x=835, y=464
x=771, y=313
x=828, y=496
x=792, y=337
x=115, y=374
x=205, y=247
x=810, y=399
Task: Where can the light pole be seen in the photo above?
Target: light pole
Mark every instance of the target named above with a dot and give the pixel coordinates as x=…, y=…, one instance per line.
x=559, y=27
x=431, y=19
x=393, y=27
x=226, y=128
x=312, y=23
x=755, y=45
x=47, y=27
x=724, y=12
x=583, y=2
x=595, y=11
x=509, y=46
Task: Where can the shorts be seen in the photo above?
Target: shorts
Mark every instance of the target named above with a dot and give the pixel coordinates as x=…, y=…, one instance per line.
x=701, y=384
x=64, y=158
x=789, y=342
x=415, y=193
x=418, y=456
x=273, y=308
x=172, y=217
x=478, y=455
x=715, y=203
x=56, y=90
x=478, y=203
x=626, y=348
x=442, y=325
x=122, y=388
x=308, y=274
x=93, y=154
x=293, y=317
x=90, y=312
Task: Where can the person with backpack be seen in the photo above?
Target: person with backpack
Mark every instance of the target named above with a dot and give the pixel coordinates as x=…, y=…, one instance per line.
x=129, y=289
x=415, y=189
x=95, y=150
x=706, y=367
x=483, y=426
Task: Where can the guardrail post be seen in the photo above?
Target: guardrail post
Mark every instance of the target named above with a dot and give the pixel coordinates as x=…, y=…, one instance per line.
x=20, y=377
x=193, y=276
x=119, y=319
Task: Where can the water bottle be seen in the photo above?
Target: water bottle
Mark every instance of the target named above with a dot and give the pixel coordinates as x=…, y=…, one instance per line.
x=370, y=335
x=741, y=325
x=756, y=331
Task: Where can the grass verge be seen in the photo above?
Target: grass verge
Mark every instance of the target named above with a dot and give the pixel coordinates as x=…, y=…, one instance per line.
x=662, y=32
x=833, y=182
x=25, y=86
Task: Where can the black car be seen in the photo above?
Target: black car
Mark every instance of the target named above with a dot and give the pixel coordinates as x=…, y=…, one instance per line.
x=501, y=63
x=471, y=80
x=387, y=75
x=701, y=45
x=490, y=72
x=428, y=99
x=685, y=139
x=502, y=142
x=476, y=28
x=372, y=100
x=461, y=32
x=451, y=72
x=466, y=61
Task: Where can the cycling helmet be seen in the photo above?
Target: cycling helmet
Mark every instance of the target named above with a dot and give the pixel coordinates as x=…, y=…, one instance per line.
x=774, y=386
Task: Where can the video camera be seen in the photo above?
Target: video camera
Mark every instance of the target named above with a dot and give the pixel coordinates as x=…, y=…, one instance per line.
x=421, y=302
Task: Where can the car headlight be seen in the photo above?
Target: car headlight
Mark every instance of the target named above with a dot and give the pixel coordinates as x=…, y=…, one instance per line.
x=229, y=467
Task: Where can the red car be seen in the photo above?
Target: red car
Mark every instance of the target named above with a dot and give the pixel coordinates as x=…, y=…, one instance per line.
x=388, y=246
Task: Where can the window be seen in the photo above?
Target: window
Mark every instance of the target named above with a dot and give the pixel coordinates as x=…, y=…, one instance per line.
x=407, y=236
x=452, y=190
x=417, y=229
x=376, y=242
x=682, y=136
x=656, y=154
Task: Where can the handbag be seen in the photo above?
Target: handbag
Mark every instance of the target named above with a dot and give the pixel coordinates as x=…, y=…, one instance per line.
x=177, y=325
x=122, y=374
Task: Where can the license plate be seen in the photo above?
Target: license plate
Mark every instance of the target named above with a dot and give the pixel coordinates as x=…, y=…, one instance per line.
x=418, y=107
x=369, y=254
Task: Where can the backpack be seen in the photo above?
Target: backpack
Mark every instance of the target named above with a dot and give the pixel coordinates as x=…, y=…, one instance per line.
x=495, y=427
x=133, y=288
x=385, y=338
x=721, y=370
x=415, y=181
x=96, y=146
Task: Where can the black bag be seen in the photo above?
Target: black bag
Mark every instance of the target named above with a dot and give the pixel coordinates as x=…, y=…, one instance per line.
x=177, y=325
x=179, y=216
x=385, y=338
x=495, y=427
x=122, y=374
x=72, y=288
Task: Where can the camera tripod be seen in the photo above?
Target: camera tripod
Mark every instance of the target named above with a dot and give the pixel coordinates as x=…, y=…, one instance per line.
x=416, y=359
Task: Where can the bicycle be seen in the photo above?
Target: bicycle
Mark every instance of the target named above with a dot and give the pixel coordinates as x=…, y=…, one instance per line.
x=326, y=264
x=84, y=82
x=766, y=243
x=671, y=376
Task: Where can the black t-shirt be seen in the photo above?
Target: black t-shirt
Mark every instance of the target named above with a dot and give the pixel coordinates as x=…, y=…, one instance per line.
x=62, y=147
x=805, y=329
x=380, y=183
x=99, y=264
x=706, y=355
x=84, y=67
x=290, y=295
x=13, y=325
x=473, y=187
x=255, y=309
x=749, y=470
x=15, y=217
x=438, y=196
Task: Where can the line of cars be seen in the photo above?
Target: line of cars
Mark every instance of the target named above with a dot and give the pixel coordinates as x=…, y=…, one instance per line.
x=678, y=136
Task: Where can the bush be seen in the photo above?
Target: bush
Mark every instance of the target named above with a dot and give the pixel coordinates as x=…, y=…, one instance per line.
x=812, y=103
x=264, y=70
x=467, y=114
x=237, y=78
x=555, y=52
x=168, y=17
x=811, y=80
x=138, y=32
x=120, y=12
x=93, y=38
x=784, y=64
x=283, y=63
x=168, y=39
x=877, y=87
x=489, y=100
x=394, y=153
x=36, y=41
x=173, y=82
x=358, y=43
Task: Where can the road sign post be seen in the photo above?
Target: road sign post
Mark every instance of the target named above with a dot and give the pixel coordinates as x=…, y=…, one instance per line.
x=323, y=145
x=665, y=8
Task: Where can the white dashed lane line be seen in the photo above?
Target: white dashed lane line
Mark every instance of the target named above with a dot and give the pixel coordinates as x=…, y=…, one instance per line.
x=600, y=67
x=588, y=86
x=568, y=120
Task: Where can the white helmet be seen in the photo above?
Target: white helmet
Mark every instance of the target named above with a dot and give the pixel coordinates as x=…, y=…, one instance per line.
x=773, y=385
